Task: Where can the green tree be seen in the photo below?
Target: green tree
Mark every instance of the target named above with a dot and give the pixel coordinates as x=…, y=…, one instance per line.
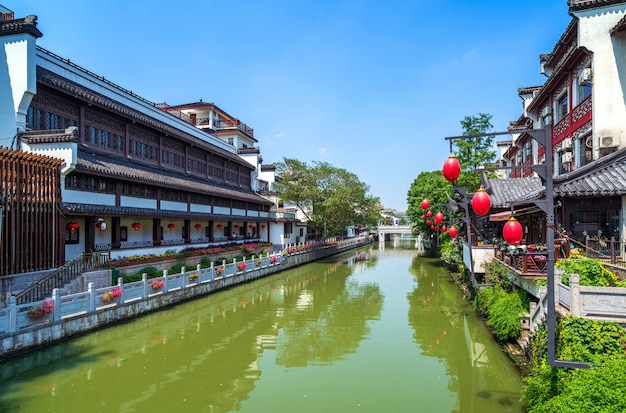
x=331, y=198
x=475, y=151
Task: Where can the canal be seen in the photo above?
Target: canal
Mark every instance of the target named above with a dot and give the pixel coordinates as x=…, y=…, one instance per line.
x=378, y=329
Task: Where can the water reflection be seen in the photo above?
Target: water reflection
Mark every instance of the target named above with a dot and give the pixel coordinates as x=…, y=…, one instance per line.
x=327, y=336
x=448, y=330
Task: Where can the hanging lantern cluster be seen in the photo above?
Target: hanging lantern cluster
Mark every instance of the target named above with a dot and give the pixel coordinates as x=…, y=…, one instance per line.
x=453, y=232
x=136, y=226
x=102, y=226
x=512, y=231
x=481, y=202
x=72, y=226
x=451, y=169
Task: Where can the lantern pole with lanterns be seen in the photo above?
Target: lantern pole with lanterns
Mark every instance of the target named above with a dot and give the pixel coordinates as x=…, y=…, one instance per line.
x=544, y=138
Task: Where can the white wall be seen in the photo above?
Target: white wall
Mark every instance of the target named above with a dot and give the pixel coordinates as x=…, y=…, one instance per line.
x=609, y=106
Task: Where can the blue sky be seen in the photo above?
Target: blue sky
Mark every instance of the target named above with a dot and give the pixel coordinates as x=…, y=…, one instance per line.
x=373, y=87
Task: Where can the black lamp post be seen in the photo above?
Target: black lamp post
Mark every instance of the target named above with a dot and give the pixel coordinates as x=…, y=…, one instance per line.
x=543, y=137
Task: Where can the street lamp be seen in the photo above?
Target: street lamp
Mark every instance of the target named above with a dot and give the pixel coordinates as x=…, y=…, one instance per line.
x=543, y=137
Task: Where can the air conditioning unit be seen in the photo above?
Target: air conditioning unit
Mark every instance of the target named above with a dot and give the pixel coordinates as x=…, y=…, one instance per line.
x=609, y=141
x=585, y=75
x=567, y=144
x=566, y=157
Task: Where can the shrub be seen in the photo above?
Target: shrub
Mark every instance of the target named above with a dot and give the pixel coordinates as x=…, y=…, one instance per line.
x=592, y=273
x=150, y=271
x=451, y=254
x=176, y=268
x=205, y=262
x=503, y=310
x=498, y=273
x=598, y=389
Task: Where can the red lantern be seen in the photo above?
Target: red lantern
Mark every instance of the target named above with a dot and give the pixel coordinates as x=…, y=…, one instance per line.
x=101, y=225
x=263, y=226
x=171, y=227
x=453, y=232
x=428, y=222
x=438, y=218
x=425, y=204
x=250, y=226
x=451, y=168
x=429, y=214
x=423, y=216
x=236, y=226
x=481, y=202
x=220, y=226
x=433, y=227
x=136, y=226
x=444, y=229
x=198, y=227
x=512, y=231
x=72, y=226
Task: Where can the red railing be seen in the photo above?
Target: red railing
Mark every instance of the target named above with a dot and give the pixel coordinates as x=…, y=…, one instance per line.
x=574, y=120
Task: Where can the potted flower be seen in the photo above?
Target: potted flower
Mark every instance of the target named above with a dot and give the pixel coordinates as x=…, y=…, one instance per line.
x=259, y=261
x=42, y=310
x=273, y=259
x=219, y=270
x=108, y=296
x=193, y=276
x=157, y=284
x=241, y=266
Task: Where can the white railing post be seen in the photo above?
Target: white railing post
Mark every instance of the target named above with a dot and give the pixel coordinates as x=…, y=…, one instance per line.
x=183, y=281
x=198, y=268
x=212, y=272
x=574, y=295
x=56, y=299
x=120, y=285
x=144, y=292
x=12, y=314
x=167, y=282
x=91, y=288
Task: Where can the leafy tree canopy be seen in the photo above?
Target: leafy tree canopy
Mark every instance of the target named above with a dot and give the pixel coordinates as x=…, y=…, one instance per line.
x=474, y=152
x=331, y=198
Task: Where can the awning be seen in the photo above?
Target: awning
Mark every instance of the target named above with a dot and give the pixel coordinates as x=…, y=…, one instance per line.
x=500, y=216
x=505, y=215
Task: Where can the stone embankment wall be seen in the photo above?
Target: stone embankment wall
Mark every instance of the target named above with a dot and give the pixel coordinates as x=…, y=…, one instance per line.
x=98, y=307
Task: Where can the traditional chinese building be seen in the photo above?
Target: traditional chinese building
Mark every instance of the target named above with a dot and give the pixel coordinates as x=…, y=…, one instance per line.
x=137, y=177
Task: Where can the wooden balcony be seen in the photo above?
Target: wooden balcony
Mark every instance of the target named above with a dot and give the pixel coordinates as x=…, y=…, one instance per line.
x=573, y=121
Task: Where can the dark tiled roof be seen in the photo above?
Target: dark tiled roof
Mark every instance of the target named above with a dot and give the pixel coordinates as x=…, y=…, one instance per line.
x=49, y=78
x=106, y=211
x=505, y=191
x=17, y=26
x=104, y=165
x=604, y=177
x=620, y=26
x=576, y=5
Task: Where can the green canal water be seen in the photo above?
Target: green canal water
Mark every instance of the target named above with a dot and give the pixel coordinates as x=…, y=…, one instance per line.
x=379, y=329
